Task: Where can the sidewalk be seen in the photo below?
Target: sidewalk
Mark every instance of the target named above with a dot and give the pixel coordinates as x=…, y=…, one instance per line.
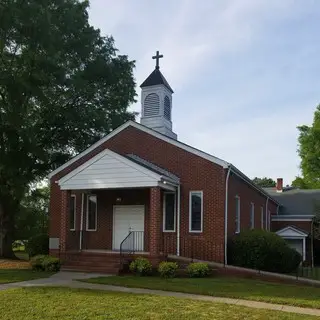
x=69, y=279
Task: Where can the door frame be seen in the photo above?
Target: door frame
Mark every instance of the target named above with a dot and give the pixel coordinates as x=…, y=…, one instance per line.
x=113, y=219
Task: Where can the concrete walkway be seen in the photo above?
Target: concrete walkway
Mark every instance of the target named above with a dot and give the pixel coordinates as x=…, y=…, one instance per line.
x=69, y=279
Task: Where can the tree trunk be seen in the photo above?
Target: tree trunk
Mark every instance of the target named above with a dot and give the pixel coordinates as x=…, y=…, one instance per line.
x=6, y=232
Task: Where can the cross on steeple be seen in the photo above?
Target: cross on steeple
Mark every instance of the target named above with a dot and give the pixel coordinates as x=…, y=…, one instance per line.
x=157, y=57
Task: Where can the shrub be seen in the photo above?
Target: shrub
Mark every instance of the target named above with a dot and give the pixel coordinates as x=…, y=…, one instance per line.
x=262, y=250
x=45, y=263
x=167, y=269
x=37, y=262
x=51, y=264
x=141, y=266
x=198, y=270
x=38, y=244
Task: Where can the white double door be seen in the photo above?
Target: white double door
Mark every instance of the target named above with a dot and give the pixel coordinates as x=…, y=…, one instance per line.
x=126, y=219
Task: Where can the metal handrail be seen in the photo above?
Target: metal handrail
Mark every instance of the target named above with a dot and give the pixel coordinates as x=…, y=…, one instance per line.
x=130, y=244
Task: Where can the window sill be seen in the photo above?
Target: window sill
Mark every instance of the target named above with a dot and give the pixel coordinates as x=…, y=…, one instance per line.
x=169, y=231
x=91, y=230
x=73, y=230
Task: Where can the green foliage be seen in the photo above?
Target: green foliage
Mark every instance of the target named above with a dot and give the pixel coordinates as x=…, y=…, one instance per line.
x=264, y=182
x=262, y=250
x=38, y=245
x=45, y=263
x=198, y=270
x=32, y=218
x=141, y=266
x=309, y=152
x=167, y=269
x=63, y=86
x=37, y=262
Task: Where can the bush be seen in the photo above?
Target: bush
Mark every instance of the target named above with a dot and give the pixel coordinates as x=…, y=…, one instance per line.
x=38, y=245
x=262, y=250
x=51, y=264
x=45, y=263
x=167, y=269
x=198, y=270
x=37, y=262
x=141, y=266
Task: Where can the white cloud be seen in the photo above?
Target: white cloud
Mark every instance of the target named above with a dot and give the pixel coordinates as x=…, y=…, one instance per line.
x=196, y=38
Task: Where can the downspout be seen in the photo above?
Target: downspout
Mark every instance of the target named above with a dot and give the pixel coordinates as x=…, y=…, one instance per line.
x=312, y=254
x=226, y=218
x=267, y=219
x=178, y=220
x=81, y=221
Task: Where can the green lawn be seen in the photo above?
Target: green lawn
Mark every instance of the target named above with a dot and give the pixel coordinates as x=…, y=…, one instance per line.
x=225, y=287
x=10, y=275
x=62, y=303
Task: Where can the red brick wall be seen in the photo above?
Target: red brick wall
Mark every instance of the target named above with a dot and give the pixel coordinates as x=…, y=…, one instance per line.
x=195, y=173
x=248, y=195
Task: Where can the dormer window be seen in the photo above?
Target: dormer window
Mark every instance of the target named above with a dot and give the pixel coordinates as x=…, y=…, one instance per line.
x=151, y=105
x=167, y=108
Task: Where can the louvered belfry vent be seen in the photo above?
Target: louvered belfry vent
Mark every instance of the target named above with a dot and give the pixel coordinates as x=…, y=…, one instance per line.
x=167, y=108
x=151, y=105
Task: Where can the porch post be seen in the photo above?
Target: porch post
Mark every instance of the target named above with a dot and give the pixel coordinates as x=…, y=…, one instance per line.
x=303, y=249
x=65, y=203
x=155, y=222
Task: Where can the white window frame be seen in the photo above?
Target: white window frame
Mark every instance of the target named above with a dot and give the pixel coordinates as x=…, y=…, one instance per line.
x=190, y=211
x=164, y=212
x=252, y=215
x=74, y=212
x=87, y=213
x=238, y=211
x=262, y=216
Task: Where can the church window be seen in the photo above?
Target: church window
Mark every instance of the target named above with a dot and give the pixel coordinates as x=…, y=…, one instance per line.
x=195, y=211
x=169, y=212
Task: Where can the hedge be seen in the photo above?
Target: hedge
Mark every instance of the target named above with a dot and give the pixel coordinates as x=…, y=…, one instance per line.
x=262, y=250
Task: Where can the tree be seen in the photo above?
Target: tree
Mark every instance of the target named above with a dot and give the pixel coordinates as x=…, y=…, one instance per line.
x=32, y=218
x=309, y=152
x=62, y=87
x=264, y=182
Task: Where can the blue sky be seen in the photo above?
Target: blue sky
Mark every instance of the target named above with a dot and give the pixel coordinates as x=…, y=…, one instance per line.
x=245, y=73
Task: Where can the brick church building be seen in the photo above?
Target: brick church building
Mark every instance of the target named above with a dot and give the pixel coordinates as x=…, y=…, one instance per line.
x=140, y=190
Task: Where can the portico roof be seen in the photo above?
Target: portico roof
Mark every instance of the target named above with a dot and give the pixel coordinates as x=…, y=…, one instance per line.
x=110, y=170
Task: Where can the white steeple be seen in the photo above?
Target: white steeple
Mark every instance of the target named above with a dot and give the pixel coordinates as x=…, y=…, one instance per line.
x=156, y=102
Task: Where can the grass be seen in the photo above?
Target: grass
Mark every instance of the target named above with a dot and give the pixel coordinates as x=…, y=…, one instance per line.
x=248, y=289
x=70, y=304
x=9, y=275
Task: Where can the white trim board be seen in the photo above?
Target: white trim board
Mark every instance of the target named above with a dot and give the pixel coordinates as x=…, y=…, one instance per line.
x=156, y=134
x=292, y=218
x=291, y=233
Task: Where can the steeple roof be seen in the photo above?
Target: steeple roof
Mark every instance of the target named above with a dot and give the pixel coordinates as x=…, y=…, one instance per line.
x=156, y=78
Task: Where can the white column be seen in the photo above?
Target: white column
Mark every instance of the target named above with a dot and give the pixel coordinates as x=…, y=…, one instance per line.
x=304, y=249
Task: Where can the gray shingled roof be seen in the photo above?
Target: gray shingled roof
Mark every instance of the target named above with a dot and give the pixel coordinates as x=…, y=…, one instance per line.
x=297, y=201
x=156, y=77
x=154, y=168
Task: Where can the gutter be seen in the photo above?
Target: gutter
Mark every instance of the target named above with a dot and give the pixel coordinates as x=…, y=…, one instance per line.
x=226, y=218
x=81, y=222
x=267, y=219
